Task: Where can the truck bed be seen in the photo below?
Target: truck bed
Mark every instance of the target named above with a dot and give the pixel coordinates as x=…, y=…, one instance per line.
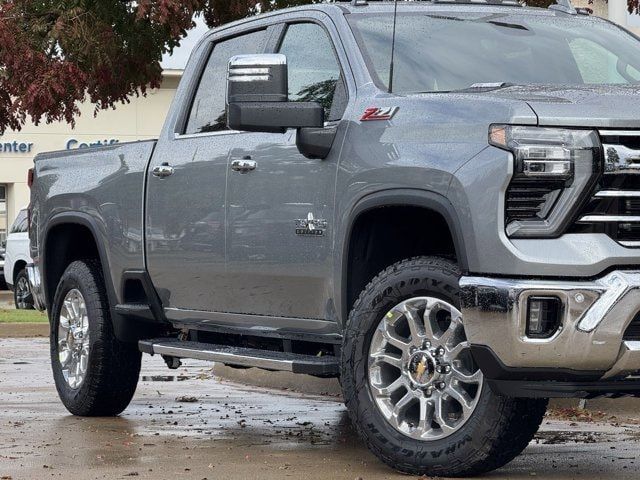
x=102, y=189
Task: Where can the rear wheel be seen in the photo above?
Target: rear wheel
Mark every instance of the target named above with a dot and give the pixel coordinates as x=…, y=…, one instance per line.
x=22, y=292
x=95, y=373
x=411, y=385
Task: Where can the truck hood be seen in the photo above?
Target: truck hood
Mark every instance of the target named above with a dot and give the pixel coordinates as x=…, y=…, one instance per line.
x=580, y=106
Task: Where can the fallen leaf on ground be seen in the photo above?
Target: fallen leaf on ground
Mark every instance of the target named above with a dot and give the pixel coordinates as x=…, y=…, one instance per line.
x=186, y=399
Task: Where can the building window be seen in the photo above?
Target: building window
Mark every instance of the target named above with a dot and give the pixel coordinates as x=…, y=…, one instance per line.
x=3, y=214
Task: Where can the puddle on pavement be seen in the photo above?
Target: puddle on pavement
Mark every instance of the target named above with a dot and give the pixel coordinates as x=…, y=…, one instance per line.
x=166, y=378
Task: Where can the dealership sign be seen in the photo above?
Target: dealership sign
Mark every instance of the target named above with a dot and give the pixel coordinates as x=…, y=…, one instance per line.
x=16, y=147
x=26, y=147
x=74, y=144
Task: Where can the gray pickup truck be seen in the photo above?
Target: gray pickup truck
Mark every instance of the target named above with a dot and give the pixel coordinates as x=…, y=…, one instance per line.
x=436, y=202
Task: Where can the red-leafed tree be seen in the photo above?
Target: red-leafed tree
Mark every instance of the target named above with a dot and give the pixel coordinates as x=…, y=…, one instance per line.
x=55, y=54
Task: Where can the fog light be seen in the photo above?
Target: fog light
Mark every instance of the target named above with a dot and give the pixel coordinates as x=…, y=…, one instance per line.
x=543, y=316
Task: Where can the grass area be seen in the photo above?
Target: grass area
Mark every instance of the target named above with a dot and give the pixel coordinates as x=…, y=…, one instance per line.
x=22, y=316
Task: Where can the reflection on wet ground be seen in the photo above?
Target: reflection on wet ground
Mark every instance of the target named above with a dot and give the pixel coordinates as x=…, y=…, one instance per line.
x=187, y=424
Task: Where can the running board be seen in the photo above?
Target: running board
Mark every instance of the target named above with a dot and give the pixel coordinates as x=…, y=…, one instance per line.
x=242, y=357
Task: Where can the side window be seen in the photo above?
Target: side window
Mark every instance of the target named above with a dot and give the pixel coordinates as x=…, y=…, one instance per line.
x=598, y=65
x=208, y=111
x=314, y=71
x=20, y=224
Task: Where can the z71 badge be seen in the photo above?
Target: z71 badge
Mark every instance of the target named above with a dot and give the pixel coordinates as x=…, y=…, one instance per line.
x=311, y=226
x=376, y=113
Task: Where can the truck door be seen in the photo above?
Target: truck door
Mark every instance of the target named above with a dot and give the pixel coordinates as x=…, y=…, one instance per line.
x=185, y=217
x=277, y=266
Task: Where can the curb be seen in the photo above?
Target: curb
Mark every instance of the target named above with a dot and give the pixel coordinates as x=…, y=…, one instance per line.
x=24, y=330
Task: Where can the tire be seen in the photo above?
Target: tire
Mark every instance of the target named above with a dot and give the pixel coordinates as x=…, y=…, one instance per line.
x=496, y=431
x=22, y=295
x=111, y=368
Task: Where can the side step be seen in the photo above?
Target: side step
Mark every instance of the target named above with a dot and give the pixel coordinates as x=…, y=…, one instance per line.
x=242, y=357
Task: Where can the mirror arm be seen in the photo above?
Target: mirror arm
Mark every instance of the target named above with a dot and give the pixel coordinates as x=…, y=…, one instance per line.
x=316, y=143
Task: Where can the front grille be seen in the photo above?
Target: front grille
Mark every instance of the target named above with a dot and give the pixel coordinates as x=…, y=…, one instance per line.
x=633, y=331
x=615, y=207
x=531, y=199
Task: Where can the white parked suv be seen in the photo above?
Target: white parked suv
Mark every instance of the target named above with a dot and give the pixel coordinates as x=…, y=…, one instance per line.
x=1, y=266
x=16, y=260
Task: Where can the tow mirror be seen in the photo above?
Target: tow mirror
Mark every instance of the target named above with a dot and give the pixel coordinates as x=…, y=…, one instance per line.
x=258, y=97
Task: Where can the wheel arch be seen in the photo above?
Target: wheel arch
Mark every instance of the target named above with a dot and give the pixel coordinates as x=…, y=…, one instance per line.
x=65, y=222
x=427, y=201
x=18, y=266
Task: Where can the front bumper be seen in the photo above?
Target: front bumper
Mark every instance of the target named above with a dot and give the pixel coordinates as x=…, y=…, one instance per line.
x=35, y=282
x=590, y=346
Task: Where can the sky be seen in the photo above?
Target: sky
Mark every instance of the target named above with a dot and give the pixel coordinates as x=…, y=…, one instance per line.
x=178, y=60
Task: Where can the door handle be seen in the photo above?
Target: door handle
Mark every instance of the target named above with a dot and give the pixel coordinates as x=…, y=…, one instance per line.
x=163, y=171
x=245, y=165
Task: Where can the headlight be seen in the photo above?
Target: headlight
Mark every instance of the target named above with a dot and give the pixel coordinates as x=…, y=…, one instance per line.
x=554, y=172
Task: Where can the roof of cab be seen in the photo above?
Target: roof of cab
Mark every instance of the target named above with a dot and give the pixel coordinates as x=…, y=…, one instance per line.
x=369, y=6
x=384, y=6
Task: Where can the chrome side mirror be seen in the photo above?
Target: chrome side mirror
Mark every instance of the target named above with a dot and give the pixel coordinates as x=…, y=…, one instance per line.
x=258, y=94
x=258, y=78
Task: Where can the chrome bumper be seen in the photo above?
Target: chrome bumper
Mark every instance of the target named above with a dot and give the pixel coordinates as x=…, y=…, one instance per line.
x=35, y=282
x=596, y=315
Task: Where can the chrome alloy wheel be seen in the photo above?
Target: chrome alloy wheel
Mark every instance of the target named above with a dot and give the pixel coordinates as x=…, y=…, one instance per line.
x=23, y=293
x=73, y=339
x=421, y=373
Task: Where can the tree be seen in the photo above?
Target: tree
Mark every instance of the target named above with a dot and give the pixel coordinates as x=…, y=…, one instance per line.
x=55, y=54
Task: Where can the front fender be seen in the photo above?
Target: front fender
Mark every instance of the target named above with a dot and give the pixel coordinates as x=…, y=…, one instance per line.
x=407, y=197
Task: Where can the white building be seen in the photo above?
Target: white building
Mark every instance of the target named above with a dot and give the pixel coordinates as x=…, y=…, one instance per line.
x=139, y=120
x=614, y=10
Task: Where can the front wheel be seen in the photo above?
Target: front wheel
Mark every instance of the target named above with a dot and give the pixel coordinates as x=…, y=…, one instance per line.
x=411, y=386
x=22, y=295
x=95, y=373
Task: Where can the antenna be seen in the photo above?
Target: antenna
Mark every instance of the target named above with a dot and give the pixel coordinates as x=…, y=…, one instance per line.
x=393, y=45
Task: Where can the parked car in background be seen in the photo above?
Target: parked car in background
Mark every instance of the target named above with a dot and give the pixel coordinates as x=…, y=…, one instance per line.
x=16, y=259
x=2, y=282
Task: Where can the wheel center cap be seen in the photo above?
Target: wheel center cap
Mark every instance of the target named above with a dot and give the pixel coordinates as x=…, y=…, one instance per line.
x=422, y=368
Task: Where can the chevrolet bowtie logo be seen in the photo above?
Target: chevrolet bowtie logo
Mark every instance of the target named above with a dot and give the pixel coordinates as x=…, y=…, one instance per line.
x=421, y=368
x=311, y=226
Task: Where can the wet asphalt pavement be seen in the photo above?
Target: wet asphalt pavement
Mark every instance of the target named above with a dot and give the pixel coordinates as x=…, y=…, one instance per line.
x=228, y=431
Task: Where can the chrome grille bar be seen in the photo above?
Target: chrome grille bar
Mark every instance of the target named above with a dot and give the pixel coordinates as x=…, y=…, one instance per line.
x=617, y=212
x=619, y=133
x=621, y=160
x=618, y=193
x=610, y=218
x=630, y=243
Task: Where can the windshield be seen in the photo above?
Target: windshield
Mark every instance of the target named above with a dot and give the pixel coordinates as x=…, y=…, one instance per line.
x=438, y=52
